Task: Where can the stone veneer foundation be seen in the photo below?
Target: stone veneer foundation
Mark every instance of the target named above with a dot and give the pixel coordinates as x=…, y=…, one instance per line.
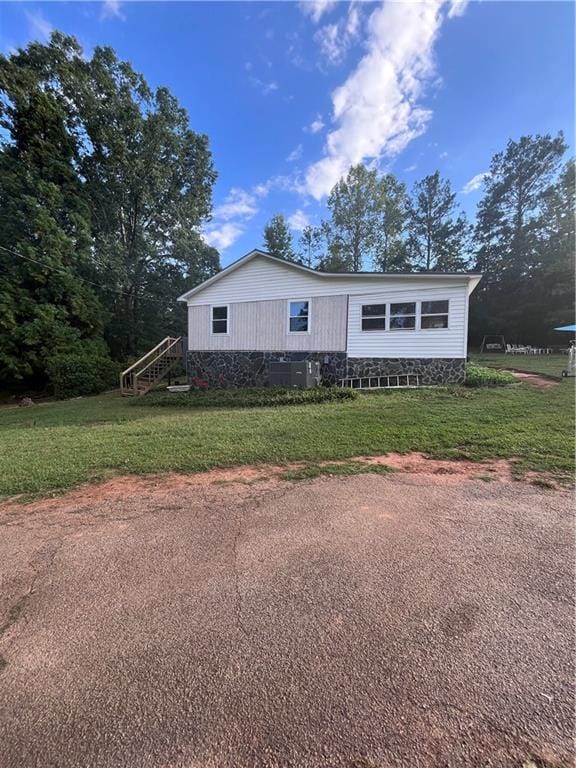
x=431, y=370
x=250, y=368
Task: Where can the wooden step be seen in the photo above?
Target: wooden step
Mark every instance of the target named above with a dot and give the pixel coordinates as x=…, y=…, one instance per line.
x=140, y=377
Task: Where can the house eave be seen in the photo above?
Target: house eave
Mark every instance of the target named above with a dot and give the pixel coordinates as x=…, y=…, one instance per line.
x=473, y=277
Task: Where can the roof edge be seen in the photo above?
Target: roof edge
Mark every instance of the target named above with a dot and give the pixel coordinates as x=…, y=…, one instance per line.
x=473, y=276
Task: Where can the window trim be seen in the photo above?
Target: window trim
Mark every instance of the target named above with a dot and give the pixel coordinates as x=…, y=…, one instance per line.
x=434, y=314
x=414, y=314
x=288, y=316
x=374, y=317
x=219, y=306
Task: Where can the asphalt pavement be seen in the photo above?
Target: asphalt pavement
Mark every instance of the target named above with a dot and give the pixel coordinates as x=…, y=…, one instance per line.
x=367, y=622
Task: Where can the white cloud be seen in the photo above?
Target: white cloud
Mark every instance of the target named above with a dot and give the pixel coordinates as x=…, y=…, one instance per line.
x=237, y=204
x=335, y=39
x=224, y=236
x=316, y=8
x=298, y=221
x=316, y=125
x=264, y=87
x=328, y=38
x=288, y=183
x=443, y=155
x=353, y=21
x=410, y=168
x=457, y=8
x=295, y=155
x=111, y=10
x=474, y=183
x=377, y=110
x=39, y=27
x=231, y=217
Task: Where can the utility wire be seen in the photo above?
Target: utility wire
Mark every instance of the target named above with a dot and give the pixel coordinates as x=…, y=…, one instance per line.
x=84, y=279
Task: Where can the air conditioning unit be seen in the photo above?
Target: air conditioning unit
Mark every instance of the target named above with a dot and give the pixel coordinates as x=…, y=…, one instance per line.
x=301, y=374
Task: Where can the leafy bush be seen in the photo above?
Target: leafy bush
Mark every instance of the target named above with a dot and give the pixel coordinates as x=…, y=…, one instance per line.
x=247, y=398
x=477, y=376
x=81, y=373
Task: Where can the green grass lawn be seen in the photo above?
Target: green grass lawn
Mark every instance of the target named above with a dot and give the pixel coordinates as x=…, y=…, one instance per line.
x=54, y=446
x=550, y=365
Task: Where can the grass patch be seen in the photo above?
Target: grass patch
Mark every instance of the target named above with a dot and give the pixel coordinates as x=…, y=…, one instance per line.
x=247, y=398
x=479, y=376
x=541, y=482
x=50, y=447
x=547, y=365
x=484, y=478
x=343, y=469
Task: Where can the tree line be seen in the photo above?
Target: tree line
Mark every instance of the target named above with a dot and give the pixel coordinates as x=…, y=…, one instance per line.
x=104, y=188
x=522, y=240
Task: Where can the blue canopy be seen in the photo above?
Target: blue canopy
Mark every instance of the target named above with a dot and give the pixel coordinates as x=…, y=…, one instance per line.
x=571, y=328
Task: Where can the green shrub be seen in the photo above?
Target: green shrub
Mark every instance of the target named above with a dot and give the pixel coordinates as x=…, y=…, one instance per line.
x=477, y=376
x=247, y=398
x=81, y=373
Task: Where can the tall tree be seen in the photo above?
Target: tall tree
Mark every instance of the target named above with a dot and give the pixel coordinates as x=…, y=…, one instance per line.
x=309, y=245
x=45, y=305
x=148, y=178
x=509, y=217
x=524, y=232
x=557, y=275
x=392, y=218
x=353, y=227
x=335, y=260
x=438, y=232
x=278, y=239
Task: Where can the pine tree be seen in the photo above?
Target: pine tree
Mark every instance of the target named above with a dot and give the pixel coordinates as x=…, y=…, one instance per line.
x=392, y=219
x=525, y=237
x=278, y=239
x=438, y=232
x=309, y=245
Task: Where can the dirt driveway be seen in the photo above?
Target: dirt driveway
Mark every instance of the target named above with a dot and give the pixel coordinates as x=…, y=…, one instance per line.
x=367, y=622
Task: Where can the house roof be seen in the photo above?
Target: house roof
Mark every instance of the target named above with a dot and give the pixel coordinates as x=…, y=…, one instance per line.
x=475, y=276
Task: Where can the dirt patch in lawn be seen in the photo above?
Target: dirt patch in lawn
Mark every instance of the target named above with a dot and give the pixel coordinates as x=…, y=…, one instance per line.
x=542, y=382
x=150, y=485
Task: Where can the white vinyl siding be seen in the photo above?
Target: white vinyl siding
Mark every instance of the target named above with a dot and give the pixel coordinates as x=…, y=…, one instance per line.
x=262, y=279
x=416, y=342
x=263, y=326
x=258, y=292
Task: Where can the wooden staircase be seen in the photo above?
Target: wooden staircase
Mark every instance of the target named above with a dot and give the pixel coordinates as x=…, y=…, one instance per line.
x=152, y=367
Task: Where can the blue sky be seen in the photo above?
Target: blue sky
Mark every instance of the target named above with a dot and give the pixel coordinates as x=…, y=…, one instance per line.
x=291, y=93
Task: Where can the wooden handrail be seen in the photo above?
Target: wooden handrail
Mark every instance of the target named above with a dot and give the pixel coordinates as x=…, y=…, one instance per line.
x=129, y=377
x=134, y=365
x=158, y=357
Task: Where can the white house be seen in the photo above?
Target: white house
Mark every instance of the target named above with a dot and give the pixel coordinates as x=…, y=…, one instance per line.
x=262, y=309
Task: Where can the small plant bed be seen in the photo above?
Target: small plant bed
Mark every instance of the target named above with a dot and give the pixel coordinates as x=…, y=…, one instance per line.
x=478, y=376
x=246, y=398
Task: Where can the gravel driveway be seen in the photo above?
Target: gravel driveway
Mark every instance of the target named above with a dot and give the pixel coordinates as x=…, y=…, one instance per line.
x=367, y=622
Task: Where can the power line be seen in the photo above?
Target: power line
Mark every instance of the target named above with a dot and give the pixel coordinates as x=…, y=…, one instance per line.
x=84, y=279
